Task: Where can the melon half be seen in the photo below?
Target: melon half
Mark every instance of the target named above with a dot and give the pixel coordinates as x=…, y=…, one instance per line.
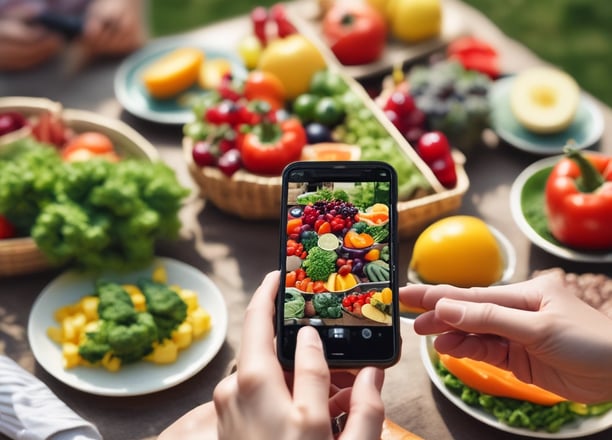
x=544, y=100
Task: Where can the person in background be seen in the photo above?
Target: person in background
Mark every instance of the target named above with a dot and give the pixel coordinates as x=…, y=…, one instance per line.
x=34, y=31
x=261, y=401
x=538, y=329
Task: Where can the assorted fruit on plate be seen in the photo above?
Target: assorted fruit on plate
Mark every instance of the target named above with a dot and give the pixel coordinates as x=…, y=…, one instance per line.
x=370, y=37
x=122, y=334
x=540, y=109
x=497, y=398
x=160, y=82
x=537, y=196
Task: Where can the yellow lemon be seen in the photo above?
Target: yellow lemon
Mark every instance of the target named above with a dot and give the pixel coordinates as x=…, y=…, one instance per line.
x=412, y=21
x=459, y=250
x=294, y=60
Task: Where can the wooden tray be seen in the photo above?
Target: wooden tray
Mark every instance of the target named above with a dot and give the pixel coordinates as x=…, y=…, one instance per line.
x=20, y=256
x=307, y=19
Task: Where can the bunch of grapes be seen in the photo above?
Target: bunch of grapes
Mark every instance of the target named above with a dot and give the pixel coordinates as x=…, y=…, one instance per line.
x=454, y=100
x=340, y=214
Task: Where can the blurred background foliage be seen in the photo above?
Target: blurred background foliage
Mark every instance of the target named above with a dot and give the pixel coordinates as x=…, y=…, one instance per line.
x=575, y=35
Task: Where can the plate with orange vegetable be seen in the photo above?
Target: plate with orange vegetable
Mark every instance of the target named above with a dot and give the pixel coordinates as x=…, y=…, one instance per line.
x=543, y=406
x=55, y=315
x=161, y=81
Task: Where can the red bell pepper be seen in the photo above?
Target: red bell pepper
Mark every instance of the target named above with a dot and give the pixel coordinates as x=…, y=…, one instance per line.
x=579, y=201
x=270, y=146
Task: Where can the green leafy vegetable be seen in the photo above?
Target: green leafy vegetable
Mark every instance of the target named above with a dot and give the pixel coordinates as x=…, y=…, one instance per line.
x=519, y=413
x=320, y=264
x=294, y=305
x=94, y=214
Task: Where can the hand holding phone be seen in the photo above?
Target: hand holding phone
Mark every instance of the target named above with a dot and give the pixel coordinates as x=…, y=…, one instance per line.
x=338, y=261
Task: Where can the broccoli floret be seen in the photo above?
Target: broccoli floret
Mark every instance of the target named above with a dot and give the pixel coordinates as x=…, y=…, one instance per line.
x=309, y=239
x=165, y=305
x=132, y=342
x=95, y=346
x=320, y=264
x=327, y=305
x=115, y=303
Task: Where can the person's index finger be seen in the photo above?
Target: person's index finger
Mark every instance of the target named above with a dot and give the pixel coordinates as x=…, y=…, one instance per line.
x=258, y=325
x=487, y=318
x=518, y=296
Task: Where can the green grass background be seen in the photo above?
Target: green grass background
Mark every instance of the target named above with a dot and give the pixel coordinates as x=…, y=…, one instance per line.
x=576, y=35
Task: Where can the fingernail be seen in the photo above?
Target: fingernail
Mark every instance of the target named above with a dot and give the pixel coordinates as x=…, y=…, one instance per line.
x=308, y=335
x=449, y=311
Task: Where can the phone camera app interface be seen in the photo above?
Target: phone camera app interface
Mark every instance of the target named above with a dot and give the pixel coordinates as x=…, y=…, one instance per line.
x=337, y=255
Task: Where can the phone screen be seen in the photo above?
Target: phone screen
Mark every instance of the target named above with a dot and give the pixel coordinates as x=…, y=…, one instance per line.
x=338, y=261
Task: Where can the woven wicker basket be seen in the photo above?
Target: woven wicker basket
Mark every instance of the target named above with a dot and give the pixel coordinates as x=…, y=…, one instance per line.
x=20, y=256
x=249, y=196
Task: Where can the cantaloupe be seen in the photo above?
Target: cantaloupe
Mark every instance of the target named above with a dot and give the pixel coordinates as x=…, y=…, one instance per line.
x=173, y=73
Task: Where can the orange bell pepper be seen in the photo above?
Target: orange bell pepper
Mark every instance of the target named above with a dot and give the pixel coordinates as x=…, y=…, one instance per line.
x=495, y=381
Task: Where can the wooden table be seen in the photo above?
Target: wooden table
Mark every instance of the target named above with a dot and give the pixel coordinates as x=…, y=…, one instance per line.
x=233, y=254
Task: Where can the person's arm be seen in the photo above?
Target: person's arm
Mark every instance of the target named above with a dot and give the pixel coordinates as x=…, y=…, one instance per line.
x=538, y=329
x=24, y=46
x=114, y=27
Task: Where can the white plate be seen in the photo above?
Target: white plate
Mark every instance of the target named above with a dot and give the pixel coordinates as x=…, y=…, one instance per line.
x=578, y=428
x=586, y=129
x=508, y=253
x=141, y=377
x=131, y=93
x=545, y=241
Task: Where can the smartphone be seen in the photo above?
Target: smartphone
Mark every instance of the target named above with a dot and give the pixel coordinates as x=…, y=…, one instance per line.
x=338, y=260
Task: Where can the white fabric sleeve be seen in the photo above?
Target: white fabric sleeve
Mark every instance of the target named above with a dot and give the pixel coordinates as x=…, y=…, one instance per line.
x=30, y=411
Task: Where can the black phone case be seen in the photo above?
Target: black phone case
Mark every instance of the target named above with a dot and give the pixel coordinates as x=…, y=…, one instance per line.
x=341, y=171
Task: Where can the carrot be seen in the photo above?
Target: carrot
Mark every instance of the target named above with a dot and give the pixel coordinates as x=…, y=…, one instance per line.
x=495, y=381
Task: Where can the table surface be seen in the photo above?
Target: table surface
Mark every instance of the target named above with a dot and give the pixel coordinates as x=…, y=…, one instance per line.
x=217, y=245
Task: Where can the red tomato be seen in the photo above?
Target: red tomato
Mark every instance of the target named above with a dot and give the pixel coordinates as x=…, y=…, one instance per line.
x=265, y=86
x=87, y=145
x=355, y=32
x=7, y=230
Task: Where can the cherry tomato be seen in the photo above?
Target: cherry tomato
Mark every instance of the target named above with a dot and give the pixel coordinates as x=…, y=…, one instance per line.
x=7, y=230
x=89, y=144
x=265, y=86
